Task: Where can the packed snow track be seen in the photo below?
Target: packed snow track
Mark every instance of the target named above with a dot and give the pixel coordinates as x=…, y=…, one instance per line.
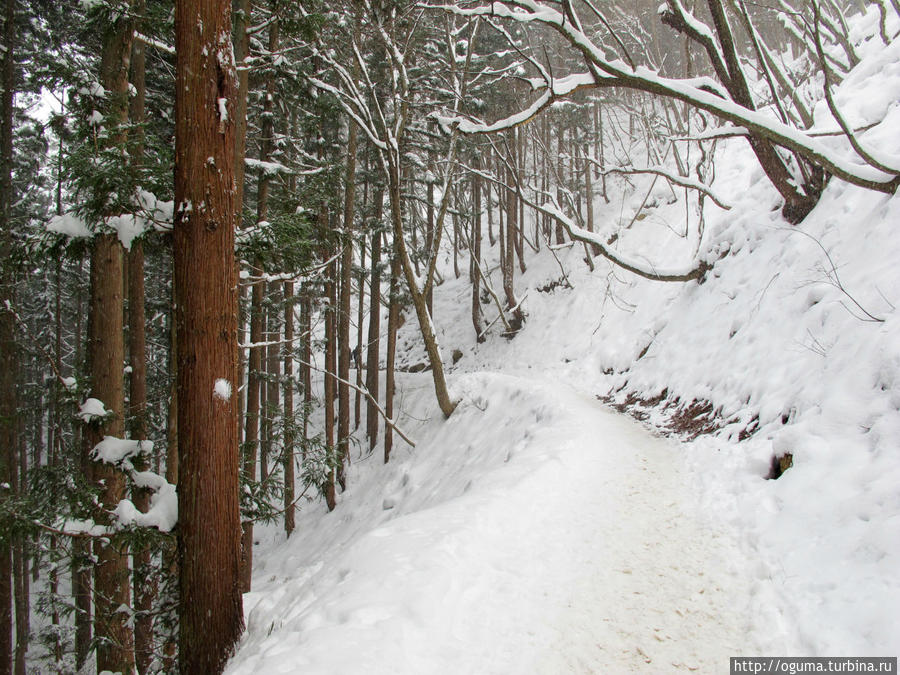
x=534, y=531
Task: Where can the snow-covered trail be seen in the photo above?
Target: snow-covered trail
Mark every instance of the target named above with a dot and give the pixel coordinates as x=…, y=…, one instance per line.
x=656, y=585
x=617, y=571
x=536, y=532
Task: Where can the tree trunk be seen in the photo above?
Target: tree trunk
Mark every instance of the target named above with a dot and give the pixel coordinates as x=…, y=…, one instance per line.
x=475, y=252
x=289, y=428
x=20, y=561
x=560, y=172
x=305, y=360
x=343, y=432
x=241, y=51
x=507, y=262
x=170, y=552
x=252, y=420
x=374, y=343
x=273, y=375
x=209, y=543
x=112, y=588
x=426, y=327
x=330, y=366
x=115, y=648
x=589, y=199
x=429, y=237
x=356, y=361
x=8, y=348
x=264, y=431
x=266, y=148
x=488, y=203
x=241, y=38
x=393, y=325
x=82, y=565
x=145, y=583
x=55, y=449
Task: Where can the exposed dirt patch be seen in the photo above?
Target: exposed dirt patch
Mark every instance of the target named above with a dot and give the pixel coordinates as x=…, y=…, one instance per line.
x=553, y=285
x=780, y=464
x=685, y=419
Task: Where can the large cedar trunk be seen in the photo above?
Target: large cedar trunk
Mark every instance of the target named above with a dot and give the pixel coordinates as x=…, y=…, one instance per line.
x=145, y=583
x=106, y=348
x=209, y=536
x=8, y=355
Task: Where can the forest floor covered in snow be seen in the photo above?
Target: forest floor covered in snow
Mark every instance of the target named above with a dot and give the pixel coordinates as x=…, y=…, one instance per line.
x=539, y=531
x=534, y=531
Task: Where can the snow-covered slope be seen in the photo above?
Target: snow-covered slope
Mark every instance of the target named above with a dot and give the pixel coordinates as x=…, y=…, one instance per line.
x=534, y=531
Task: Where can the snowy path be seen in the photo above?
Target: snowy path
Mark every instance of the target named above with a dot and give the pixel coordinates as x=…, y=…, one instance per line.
x=653, y=589
x=579, y=550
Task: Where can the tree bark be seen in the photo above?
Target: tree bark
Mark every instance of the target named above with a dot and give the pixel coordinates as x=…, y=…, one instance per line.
x=429, y=236
x=343, y=432
x=209, y=541
x=112, y=583
x=289, y=427
x=241, y=52
x=373, y=355
x=475, y=252
x=170, y=552
x=507, y=262
x=305, y=360
x=273, y=375
x=360, y=320
x=20, y=560
x=393, y=325
x=241, y=14
x=115, y=648
x=252, y=419
x=330, y=366
x=426, y=327
x=145, y=583
x=8, y=347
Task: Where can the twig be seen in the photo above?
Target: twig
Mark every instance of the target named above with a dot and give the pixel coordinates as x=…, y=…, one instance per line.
x=364, y=392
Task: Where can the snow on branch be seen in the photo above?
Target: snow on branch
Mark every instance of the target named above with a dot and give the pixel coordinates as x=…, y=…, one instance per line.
x=163, y=511
x=268, y=168
x=688, y=273
x=662, y=172
x=156, y=44
x=578, y=233
x=615, y=72
x=557, y=89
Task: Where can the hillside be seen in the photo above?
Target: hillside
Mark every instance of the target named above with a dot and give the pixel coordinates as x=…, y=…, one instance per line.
x=540, y=530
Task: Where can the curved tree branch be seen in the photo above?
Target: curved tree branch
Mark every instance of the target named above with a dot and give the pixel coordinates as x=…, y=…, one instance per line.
x=695, y=92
